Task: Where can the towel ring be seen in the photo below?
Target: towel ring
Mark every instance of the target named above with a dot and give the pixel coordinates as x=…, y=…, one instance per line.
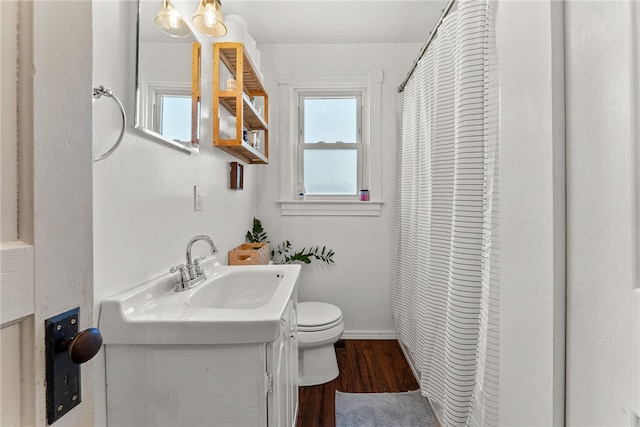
x=99, y=91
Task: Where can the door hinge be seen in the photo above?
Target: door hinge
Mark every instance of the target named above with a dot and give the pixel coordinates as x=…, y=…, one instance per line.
x=268, y=384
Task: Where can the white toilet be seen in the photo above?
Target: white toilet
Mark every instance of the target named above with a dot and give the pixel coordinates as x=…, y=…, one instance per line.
x=320, y=326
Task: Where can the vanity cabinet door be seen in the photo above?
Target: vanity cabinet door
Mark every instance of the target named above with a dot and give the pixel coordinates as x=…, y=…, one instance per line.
x=186, y=385
x=282, y=363
x=292, y=368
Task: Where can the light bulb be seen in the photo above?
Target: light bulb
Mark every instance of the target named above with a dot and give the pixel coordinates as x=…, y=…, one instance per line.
x=209, y=15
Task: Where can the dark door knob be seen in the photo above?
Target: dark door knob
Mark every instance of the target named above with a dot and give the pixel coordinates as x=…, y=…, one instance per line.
x=84, y=345
x=65, y=349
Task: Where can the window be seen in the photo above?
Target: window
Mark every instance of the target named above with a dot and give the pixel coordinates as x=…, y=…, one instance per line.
x=165, y=108
x=330, y=145
x=332, y=142
x=174, y=116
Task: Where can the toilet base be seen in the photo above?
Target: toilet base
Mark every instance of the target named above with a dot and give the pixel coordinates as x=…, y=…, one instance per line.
x=318, y=366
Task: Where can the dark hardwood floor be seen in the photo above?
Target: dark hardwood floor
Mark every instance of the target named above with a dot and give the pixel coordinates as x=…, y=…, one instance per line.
x=366, y=366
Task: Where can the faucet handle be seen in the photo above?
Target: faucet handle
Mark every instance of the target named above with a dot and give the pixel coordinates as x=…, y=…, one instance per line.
x=183, y=274
x=196, y=262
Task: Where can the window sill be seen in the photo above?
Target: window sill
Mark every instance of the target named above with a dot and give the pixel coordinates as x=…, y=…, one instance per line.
x=330, y=208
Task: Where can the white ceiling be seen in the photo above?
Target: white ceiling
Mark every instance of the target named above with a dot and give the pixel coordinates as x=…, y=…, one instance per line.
x=337, y=21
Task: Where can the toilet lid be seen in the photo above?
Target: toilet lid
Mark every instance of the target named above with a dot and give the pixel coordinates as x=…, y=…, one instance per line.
x=314, y=313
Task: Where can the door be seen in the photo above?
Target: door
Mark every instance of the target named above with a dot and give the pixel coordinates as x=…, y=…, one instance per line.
x=46, y=251
x=16, y=257
x=603, y=167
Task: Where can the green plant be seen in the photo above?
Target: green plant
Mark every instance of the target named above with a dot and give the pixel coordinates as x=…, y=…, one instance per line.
x=257, y=233
x=284, y=252
x=287, y=255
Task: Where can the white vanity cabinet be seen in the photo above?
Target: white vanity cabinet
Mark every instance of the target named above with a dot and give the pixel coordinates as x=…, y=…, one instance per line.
x=282, y=366
x=205, y=385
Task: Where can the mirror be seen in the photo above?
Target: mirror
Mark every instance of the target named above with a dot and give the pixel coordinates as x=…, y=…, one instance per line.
x=167, y=98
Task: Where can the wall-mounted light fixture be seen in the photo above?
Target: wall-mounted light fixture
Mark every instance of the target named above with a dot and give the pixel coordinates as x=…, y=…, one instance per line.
x=208, y=18
x=169, y=21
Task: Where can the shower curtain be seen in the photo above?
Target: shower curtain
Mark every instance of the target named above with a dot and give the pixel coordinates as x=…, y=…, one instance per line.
x=445, y=288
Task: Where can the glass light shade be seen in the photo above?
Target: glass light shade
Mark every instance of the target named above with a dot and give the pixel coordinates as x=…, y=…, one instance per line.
x=169, y=21
x=208, y=19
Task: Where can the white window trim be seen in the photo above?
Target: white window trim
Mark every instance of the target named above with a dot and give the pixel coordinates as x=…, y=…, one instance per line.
x=290, y=85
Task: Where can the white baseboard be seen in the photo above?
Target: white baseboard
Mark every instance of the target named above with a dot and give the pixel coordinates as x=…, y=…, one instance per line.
x=409, y=357
x=369, y=335
x=435, y=408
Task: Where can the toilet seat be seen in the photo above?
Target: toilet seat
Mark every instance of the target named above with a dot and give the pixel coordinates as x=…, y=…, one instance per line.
x=317, y=316
x=320, y=328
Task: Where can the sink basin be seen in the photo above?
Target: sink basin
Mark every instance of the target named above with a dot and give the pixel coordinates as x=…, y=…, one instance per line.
x=234, y=305
x=238, y=290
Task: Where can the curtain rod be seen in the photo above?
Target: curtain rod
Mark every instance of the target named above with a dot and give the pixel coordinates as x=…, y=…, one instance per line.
x=445, y=11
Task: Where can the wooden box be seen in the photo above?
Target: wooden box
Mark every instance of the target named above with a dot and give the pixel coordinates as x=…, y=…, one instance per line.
x=249, y=254
x=237, y=176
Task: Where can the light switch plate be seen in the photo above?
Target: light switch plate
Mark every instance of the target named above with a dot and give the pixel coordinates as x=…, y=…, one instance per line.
x=198, y=197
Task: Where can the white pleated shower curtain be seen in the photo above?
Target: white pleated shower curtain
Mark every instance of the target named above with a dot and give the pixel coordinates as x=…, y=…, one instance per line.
x=445, y=288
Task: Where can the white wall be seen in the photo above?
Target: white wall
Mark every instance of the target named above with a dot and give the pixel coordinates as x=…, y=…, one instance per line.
x=143, y=193
x=360, y=281
x=532, y=286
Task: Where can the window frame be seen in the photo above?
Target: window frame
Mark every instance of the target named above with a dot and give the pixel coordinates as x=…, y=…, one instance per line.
x=360, y=144
x=146, y=111
x=291, y=84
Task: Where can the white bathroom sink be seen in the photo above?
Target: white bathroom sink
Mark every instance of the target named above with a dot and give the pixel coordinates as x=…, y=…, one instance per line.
x=242, y=289
x=236, y=304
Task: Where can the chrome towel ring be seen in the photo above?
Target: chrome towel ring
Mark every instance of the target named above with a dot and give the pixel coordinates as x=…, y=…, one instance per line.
x=99, y=91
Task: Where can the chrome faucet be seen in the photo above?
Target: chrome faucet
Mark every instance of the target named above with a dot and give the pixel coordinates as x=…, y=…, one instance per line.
x=192, y=274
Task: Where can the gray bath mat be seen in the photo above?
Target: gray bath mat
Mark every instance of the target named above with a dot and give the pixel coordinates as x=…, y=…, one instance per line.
x=408, y=409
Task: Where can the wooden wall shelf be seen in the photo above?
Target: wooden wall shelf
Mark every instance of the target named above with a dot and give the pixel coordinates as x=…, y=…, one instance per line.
x=237, y=101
